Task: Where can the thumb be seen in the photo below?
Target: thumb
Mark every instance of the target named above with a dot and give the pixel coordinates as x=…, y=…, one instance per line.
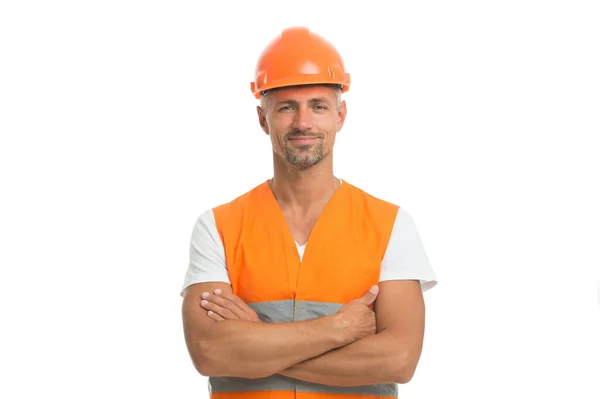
x=370, y=296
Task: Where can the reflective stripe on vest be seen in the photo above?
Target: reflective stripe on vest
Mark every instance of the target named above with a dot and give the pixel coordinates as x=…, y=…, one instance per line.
x=341, y=261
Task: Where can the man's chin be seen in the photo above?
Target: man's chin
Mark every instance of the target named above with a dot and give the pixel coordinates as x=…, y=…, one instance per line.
x=303, y=164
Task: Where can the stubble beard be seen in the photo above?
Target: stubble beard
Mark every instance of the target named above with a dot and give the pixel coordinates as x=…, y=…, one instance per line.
x=304, y=156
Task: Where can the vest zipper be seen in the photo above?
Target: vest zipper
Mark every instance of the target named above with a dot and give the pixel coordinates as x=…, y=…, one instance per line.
x=295, y=319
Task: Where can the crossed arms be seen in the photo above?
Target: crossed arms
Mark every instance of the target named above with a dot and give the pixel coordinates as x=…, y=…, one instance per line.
x=349, y=348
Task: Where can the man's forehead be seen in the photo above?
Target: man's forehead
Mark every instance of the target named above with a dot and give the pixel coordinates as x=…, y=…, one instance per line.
x=303, y=93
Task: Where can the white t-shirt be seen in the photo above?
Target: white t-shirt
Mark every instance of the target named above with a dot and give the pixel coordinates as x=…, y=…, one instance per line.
x=404, y=259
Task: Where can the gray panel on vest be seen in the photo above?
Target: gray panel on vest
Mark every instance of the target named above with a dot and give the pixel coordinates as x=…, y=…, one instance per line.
x=232, y=384
x=274, y=311
x=374, y=390
x=308, y=310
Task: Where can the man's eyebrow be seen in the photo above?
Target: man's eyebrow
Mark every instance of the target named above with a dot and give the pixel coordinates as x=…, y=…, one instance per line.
x=313, y=100
x=320, y=100
x=286, y=102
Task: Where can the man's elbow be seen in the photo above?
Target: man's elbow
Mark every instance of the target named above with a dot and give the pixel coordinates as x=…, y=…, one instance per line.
x=200, y=353
x=403, y=376
x=209, y=361
x=403, y=367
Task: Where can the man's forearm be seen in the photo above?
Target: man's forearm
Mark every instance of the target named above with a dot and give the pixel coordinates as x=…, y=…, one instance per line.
x=253, y=350
x=371, y=360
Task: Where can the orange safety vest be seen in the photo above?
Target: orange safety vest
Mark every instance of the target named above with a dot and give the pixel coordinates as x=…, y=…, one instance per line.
x=341, y=261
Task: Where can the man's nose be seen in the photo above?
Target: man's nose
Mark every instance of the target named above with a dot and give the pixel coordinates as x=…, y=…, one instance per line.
x=302, y=119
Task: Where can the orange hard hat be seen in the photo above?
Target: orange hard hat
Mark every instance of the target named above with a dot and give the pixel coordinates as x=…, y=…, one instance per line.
x=299, y=57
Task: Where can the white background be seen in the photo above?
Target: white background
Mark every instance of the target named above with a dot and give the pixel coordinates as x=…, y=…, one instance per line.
x=121, y=121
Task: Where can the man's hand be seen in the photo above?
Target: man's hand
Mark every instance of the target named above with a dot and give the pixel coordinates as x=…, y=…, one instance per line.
x=226, y=306
x=358, y=317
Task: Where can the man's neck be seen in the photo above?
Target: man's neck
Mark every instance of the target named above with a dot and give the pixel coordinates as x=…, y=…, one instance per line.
x=303, y=190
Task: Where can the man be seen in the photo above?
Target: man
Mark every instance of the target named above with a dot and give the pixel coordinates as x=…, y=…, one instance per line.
x=305, y=286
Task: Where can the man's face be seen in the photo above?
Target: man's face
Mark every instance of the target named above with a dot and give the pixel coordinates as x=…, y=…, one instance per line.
x=302, y=122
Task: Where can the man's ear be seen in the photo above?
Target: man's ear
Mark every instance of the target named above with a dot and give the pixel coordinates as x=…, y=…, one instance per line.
x=341, y=116
x=262, y=119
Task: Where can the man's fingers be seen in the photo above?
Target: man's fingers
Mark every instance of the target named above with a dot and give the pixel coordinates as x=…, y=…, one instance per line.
x=214, y=316
x=248, y=313
x=225, y=304
x=221, y=311
x=370, y=296
x=236, y=300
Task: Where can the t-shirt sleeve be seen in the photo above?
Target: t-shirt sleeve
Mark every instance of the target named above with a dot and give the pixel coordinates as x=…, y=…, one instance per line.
x=405, y=257
x=207, y=254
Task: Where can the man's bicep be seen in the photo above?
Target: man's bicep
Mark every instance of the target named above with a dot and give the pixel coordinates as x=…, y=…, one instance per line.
x=198, y=327
x=400, y=312
x=207, y=271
